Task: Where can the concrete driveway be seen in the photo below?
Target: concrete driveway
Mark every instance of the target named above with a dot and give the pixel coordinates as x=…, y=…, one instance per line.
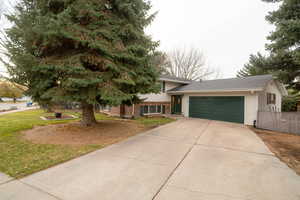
x=190, y=159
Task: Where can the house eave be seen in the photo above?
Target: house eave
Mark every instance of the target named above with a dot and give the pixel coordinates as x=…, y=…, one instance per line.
x=215, y=91
x=174, y=81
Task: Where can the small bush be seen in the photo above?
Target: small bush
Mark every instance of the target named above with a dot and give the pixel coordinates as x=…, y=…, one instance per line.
x=289, y=104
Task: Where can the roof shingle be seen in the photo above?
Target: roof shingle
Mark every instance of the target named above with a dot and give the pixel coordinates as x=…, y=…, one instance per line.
x=234, y=84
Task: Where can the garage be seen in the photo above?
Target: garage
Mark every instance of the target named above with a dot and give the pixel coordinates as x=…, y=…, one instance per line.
x=229, y=109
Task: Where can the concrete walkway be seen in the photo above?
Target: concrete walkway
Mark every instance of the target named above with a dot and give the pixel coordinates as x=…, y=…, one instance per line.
x=190, y=159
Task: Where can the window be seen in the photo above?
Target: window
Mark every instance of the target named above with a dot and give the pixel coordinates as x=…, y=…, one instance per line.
x=146, y=109
x=152, y=109
x=159, y=109
x=271, y=98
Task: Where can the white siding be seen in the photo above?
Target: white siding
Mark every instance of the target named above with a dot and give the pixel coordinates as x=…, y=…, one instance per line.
x=161, y=97
x=251, y=104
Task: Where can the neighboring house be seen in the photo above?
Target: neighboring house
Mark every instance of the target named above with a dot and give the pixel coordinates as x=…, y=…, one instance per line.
x=233, y=100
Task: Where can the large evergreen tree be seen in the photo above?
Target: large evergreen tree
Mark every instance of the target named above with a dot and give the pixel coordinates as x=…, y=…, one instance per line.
x=284, y=48
x=88, y=51
x=285, y=42
x=254, y=67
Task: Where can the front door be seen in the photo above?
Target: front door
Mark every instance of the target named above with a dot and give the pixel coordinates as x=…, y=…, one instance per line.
x=176, y=104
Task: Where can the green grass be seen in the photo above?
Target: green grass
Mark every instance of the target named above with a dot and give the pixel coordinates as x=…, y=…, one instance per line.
x=155, y=121
x=19, y=158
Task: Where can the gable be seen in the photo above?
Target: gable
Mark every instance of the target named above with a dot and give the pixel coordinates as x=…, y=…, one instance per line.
x=274, y=87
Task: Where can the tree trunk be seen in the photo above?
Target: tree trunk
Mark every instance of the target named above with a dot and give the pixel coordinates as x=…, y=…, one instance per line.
x=15, y=100
x=88, y=116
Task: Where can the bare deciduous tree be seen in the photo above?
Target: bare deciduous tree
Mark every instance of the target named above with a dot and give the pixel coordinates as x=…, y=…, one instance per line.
x=188, y=64
x=160, y=60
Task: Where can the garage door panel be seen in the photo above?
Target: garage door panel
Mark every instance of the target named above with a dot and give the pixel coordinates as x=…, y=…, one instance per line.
x=229, y=109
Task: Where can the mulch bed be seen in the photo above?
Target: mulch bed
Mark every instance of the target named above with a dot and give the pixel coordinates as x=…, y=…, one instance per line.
x=63, y=117
x=103, y=133
x=285, y=146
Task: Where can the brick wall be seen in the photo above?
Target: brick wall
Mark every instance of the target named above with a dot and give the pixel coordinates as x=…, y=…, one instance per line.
x=115, y=111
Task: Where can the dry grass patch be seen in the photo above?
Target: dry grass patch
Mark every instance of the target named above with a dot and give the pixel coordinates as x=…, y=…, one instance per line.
x=285, y=146
x=103, y=133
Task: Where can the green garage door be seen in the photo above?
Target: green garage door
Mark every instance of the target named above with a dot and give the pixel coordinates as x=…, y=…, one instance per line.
x=230, y=109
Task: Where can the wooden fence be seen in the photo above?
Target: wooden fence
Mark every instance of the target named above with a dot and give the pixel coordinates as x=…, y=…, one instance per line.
x=287, y=122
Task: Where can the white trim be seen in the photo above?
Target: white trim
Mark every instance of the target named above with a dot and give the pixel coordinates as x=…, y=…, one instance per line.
x=250, y=109
x=281, y=88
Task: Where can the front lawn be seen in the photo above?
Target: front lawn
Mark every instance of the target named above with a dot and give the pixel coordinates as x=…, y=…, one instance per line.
x=20, y=157
x=155, y=121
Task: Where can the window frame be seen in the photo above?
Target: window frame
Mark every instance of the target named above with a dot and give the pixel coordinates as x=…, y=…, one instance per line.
x=271, y=98
x=144, y=111
x=158, y=109
x=153, y=109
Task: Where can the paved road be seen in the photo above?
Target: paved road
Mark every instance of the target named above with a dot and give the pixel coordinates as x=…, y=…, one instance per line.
x=8, y=105
x=190, y=159
x=20, y=106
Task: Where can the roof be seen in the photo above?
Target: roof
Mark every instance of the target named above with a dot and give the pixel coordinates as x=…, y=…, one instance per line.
x=252, y=83
x=174, y=79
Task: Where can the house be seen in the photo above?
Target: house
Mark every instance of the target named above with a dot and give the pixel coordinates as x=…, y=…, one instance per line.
x=233, y=100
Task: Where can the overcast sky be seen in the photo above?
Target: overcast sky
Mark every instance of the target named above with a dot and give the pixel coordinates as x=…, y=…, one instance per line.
x=226, y=31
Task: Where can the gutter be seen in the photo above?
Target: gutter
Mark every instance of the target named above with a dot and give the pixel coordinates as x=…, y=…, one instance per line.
x=214, y=91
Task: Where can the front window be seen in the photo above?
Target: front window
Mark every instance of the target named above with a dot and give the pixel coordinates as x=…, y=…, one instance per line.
x=151, y=109
x=159, y=108
x=271, y=98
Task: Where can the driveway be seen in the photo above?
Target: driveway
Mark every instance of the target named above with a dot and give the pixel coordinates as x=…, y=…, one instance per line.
x=190, y=159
